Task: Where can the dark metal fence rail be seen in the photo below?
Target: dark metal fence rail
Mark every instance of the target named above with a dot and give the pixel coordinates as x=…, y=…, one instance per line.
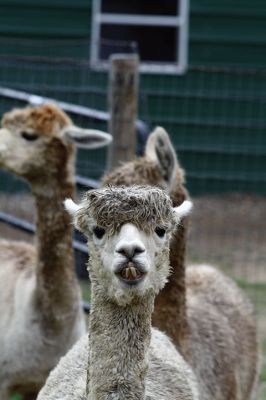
x=91, y=113
x=28, y=227
x=25, y=226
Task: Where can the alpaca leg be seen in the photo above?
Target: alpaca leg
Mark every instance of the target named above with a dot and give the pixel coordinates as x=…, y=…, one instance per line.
x=4, y=394
x=256, y=389
x=30, y=396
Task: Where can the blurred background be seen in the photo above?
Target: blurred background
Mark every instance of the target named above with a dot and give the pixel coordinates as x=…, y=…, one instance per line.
x=202, y=77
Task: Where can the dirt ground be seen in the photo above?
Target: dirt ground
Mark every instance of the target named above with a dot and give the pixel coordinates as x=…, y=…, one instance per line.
x=228, y=231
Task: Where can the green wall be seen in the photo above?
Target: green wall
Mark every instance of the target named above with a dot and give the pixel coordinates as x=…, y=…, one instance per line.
x=228, y=32
x=221, y=33
x=215, y=115
x=45, y=18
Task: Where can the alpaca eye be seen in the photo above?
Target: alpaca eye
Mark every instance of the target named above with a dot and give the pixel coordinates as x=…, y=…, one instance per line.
x=29, y=136
x=98, y=232
x=160, y=231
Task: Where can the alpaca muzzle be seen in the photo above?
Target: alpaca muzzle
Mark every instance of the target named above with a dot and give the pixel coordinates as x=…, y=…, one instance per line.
x=131, y=273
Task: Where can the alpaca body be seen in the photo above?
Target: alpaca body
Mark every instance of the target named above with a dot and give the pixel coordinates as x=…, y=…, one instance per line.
x=41, y=314
x=128, y=265
x=210, y=320
x=164, y=380
x=222, y=334
x=33, y=354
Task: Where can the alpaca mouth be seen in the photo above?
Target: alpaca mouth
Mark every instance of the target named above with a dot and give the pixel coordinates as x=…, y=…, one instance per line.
x=131, y=273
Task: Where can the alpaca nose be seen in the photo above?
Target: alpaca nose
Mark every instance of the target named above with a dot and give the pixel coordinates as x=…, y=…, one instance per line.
x=130, y=250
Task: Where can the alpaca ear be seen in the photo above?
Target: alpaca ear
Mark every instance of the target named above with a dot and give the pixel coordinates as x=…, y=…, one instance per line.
x=183, y=210
x=86, y=138
x=80, y=220
x=160, y=150
x=71, y=207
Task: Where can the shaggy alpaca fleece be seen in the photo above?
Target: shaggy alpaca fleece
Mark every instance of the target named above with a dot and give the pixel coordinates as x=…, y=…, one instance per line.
x=47, y=119
x=112, y=208
x=126, y=358
x=168, y=377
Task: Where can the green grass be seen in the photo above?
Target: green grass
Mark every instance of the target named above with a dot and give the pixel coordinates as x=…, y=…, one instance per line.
x=255, y=290
x=263, y=371
x=85, y=290
x=263, y=375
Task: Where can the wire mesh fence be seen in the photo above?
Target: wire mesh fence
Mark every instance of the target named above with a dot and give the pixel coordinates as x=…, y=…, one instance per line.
x=217, y=121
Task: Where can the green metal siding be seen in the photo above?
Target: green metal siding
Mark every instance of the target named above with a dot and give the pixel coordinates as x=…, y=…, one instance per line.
x=228, y=32
x=45, y=18
x=217, y=118
x=218, y=122
x=221, y=33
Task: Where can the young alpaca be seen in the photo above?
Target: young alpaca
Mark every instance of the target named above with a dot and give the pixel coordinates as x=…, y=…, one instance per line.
x=128, y=231
x=40, y=307
x=208, y=317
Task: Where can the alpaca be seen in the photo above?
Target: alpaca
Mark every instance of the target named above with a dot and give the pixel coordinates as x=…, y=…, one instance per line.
x=159, y=167
x=208, y=317
x=41, y=315
x=128, y=231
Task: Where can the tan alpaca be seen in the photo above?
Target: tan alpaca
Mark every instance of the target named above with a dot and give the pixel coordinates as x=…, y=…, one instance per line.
x=128, y=233
x=40, y=307
x=207, y=316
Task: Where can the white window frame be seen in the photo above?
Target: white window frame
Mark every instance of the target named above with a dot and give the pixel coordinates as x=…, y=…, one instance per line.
x=180, y=21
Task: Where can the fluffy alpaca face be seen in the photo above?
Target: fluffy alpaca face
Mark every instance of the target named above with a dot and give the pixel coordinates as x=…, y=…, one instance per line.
x=131, y=261
x=17, y=154
x=128, y=232
x=36, y=141
x=26, y=136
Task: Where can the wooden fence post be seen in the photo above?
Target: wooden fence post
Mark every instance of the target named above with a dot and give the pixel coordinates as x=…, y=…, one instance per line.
x=123, y=99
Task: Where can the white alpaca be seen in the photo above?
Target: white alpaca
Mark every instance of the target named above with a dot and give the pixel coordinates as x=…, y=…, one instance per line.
x=128, y=233
x=41, y=315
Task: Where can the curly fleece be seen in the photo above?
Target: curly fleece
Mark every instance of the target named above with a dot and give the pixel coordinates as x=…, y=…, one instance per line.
x=111, y=207
x=47, y=119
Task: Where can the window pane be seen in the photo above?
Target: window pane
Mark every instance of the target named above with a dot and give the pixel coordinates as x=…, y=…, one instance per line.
x=154, y=43
x=142, y=7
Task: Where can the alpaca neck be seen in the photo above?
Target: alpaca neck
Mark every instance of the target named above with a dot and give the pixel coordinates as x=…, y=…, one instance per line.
x=119, y=338
x=56, y=292
x=170, y=305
